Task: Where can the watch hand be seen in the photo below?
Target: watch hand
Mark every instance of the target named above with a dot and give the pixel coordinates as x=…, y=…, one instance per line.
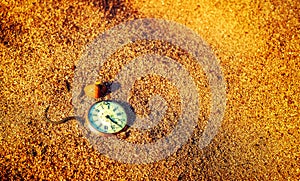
x=112, y=120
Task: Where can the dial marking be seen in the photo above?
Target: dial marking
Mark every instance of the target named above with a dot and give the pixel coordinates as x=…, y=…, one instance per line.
x=116, y=108
x=108, y=104
x=100, y=127
x=113, y=127
x=119, y=113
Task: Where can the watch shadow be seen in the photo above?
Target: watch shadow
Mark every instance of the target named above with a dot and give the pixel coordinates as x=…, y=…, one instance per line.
x=108, y=87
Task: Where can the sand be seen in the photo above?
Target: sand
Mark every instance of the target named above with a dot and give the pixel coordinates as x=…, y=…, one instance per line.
x=256, y=43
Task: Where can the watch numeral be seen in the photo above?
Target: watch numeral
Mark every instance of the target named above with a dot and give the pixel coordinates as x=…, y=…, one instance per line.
x=108, y=104
x=99, y=126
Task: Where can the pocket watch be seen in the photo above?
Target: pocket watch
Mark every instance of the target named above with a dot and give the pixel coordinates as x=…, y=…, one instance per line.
x=104, y=117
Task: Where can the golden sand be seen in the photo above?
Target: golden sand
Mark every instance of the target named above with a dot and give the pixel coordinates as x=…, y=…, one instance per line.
x=257, y=44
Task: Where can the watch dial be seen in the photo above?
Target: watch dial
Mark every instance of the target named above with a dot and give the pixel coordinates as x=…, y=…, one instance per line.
x=107, y=117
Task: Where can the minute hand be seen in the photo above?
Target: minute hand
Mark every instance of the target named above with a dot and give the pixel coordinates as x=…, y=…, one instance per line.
x=112, y=120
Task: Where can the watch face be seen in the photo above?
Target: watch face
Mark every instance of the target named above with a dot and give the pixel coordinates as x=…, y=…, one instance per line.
x=107, y=117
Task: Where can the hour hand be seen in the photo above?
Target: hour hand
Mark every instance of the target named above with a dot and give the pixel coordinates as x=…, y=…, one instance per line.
x=112, y=120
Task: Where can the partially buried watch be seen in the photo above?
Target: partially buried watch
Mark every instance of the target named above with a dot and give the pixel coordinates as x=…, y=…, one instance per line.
x=106, y=117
